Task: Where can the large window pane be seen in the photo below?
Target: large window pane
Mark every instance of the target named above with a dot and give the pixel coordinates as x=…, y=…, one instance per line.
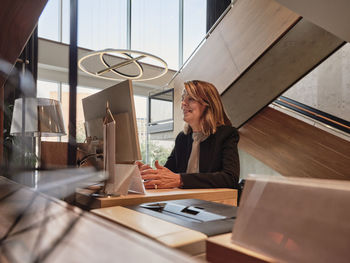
x=161, y=106
x=159, y=150
x=141, y=119
x=65, y=108
x=155, y=29
x=48, y=89
x=49, y=22
x=65, y=21
x=194, y=25
x=102, y=24
x=82, y=92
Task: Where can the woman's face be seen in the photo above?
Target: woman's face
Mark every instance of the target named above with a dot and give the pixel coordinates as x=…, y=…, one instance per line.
x=192, y=111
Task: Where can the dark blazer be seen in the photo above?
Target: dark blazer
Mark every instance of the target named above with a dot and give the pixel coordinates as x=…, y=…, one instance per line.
x=218, y=161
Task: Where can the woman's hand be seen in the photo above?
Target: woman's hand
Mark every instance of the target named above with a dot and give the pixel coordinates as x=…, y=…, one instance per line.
x=142, y=166
x=161, y=177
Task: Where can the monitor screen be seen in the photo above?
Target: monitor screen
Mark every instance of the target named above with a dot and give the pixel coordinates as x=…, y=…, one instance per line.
x=121, y=103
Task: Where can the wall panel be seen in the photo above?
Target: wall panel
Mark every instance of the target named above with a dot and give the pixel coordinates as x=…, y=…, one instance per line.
x=295, y=148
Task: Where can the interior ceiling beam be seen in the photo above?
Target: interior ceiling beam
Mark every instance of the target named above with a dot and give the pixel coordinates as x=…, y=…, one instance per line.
x=299, y=51
x=333, y=15
x=248, y=29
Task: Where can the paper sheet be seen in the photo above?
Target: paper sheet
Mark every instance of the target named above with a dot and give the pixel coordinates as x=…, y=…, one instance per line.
x=127, y=178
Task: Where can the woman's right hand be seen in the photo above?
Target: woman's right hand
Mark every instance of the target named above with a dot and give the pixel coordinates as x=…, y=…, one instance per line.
x=142, y=166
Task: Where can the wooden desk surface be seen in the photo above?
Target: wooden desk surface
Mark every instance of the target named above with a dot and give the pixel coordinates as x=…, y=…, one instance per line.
x=221, y=195
x=169, y=234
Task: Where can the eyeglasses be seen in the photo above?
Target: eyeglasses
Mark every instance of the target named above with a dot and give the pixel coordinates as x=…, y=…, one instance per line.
x=188, y=98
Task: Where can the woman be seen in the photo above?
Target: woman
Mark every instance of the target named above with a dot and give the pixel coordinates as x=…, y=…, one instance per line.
x=205, y=153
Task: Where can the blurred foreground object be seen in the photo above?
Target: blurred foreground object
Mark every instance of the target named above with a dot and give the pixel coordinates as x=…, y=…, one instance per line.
x=38, y=228
x=295, y=219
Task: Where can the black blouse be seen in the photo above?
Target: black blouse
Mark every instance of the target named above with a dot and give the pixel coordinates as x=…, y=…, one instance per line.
x=218, y=160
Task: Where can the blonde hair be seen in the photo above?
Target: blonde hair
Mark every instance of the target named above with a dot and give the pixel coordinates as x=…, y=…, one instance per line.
x=214, y=114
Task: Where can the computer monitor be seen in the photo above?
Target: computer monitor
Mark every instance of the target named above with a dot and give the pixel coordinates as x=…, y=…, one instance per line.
x=121, y=103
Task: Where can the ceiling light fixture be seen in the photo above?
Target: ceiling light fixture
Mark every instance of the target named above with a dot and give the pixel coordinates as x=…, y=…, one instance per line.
x=100, y=64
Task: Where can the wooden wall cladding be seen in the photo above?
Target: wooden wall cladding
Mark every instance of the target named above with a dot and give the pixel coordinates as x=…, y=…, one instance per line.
x=18, y=19
x=295, y=148
x=54, y=155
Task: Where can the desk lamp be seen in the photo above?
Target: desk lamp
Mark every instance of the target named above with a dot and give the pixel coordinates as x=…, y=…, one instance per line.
x=37, y=117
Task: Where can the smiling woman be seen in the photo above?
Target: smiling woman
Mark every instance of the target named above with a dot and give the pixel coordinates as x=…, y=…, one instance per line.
x=205, y=153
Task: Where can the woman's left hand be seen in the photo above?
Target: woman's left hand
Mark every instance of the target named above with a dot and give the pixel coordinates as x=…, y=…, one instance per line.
x=161, y=177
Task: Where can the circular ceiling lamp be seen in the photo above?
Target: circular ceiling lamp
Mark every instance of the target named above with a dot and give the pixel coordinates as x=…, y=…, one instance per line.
x=121, y=64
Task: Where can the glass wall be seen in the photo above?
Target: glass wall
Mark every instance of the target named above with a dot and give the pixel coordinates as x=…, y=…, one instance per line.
x=102, y=24
x=159, y=150
x=141, y=105
x=194, y=28
x=161, y=106
x=48, y=89
x=60, y=91
x=50, y=21
x=154, y=27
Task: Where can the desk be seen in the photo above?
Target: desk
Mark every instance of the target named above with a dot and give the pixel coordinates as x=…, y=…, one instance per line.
x=220, y=195
x=166, y=233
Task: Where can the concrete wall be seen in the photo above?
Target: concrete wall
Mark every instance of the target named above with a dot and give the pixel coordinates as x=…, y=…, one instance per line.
x=327, y=87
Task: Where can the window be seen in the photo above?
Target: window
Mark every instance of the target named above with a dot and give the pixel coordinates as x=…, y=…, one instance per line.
x=82, y=92
x=194, y=28
x=65, y=21
x=141, y=119
x=161, y=111
x=102, y=24
x=50, y=21
x=48, y=89
x=159, y=150
x=155, y=29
